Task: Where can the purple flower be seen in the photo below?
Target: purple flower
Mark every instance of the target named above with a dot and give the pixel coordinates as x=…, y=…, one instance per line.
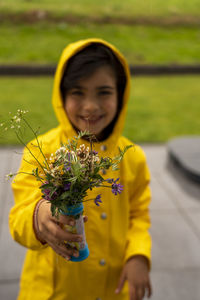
x=69, y=156
x=67, y=166
x=67, y=186
x=97, y=200
x=117, y=188
x=94, y=152
x=109, y=180
x=45, y=183
x=47, y=193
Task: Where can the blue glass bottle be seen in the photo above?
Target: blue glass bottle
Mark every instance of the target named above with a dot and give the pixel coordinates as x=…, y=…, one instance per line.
x=77, y=212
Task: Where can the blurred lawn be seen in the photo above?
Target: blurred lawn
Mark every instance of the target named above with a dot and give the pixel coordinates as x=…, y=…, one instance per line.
x=105, y=8
x=159, y=108
x=43, y=42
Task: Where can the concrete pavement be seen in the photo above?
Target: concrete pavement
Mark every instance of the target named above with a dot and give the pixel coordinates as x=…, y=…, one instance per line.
x=175, y=213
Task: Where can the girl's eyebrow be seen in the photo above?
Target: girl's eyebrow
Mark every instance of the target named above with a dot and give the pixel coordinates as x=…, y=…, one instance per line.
x=106, y=87
x=79, y=87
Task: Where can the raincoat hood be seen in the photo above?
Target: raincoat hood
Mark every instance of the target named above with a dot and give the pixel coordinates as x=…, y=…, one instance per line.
x=57, y=101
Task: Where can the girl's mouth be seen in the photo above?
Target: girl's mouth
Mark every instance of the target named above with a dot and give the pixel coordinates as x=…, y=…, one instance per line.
x=91, y=120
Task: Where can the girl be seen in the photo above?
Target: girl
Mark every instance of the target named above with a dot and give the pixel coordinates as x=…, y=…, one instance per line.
x=91, y=91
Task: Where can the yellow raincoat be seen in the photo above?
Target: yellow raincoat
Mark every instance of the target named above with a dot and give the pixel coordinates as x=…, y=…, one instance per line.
x=115, y=231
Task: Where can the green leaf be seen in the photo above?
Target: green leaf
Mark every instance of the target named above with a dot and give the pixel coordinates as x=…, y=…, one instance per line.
x=65, y=195
x=53, y=209
x=45, y=186
x=52, y=191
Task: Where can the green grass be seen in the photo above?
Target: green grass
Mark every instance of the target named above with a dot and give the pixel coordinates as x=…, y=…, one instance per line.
x=43, y=43
x=159, y=108
x=163, y=107
x=105, y=8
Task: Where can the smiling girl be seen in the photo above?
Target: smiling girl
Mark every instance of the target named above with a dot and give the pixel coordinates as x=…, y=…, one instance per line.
x=91, y=91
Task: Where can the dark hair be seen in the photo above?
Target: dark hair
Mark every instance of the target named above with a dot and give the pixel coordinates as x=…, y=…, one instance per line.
x=85, y=63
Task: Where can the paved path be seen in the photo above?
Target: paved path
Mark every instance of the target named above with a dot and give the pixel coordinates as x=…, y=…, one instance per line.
x=175, y=212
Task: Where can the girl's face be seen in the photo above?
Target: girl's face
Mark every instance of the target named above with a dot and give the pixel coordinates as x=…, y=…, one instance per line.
x=92, y=104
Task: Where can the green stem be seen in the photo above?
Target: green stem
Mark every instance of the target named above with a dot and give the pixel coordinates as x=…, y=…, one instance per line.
x=37, y=142
x=21, y=141
x=14, y=174
x=108, y=186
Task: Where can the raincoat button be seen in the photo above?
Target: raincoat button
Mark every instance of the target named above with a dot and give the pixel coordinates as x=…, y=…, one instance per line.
x=103, y=172
x=98, y=298
x=102, y=262
x=103, y=147
x=104, y=215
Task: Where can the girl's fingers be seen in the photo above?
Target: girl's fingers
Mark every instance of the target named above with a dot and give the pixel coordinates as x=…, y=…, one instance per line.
x=58, y=234
x=56, y=237
x=120, y=283
x=132, y=293
x=61, y=249
x=149, y=290
x=65, y=220
x=140, y=293
x=62, y=252
x=67, y=250
x=53, y=233
x=137, y=293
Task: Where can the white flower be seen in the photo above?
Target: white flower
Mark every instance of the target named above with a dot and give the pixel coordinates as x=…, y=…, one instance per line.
x=96, y=159
x=60, y=151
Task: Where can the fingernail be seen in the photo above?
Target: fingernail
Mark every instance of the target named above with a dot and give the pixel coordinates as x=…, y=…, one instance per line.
x=117, y=291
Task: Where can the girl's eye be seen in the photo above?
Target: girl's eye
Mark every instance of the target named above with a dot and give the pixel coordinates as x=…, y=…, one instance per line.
x=105, y=93
x=77, y=93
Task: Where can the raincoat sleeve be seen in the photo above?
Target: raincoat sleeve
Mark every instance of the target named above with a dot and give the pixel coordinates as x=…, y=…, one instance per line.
x=26, y=195
x=138, y=237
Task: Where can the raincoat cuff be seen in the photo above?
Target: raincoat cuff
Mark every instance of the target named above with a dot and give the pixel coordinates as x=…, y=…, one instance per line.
x=139, y=250
x=21, y=221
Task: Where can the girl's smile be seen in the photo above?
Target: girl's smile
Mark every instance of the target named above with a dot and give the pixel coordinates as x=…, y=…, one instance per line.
x=92, y=104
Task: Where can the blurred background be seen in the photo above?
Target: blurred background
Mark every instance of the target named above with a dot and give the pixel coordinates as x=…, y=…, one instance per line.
x=150, y=33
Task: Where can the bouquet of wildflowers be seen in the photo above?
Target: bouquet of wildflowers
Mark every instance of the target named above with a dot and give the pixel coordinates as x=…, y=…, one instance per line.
x=69, y=173
x=72, y=171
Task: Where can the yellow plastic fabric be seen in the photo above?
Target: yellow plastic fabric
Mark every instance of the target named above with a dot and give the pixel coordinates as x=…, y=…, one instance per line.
x=111, y=240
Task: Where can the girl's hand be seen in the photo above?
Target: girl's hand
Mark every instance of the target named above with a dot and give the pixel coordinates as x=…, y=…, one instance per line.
x=137, y=273
x=50, y=231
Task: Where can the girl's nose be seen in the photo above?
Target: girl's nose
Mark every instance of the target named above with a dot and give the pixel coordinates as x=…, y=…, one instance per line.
x=91, y=105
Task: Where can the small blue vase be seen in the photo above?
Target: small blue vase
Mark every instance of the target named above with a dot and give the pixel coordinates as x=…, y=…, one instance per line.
x=74, y=211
